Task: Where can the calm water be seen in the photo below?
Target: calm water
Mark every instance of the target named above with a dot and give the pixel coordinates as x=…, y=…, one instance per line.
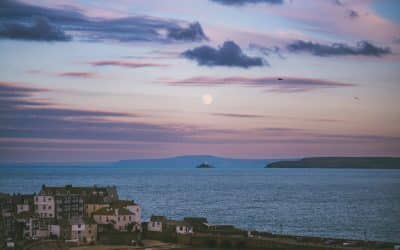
x=320, y=202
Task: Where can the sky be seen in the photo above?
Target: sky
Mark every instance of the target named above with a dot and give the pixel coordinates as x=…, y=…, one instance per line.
x=107, y=80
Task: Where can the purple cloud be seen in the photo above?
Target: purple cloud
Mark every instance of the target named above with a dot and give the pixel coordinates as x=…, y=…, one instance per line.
x=363, y=48
x=127, y=29
x=229, y=55
x=284, y=84
x=40, y=30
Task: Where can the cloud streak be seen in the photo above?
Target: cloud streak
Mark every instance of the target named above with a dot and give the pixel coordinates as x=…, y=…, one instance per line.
x=126, y=64
x=87, y=75
x=363, y=48
x=234, y=115
x=285, y=84
x=229, y=55
x=244, y=2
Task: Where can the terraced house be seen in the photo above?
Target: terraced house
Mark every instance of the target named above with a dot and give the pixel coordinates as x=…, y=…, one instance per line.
x=69, y=201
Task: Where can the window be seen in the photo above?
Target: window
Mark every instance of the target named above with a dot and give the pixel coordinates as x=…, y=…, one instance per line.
x=124, y=218
x=44, y=207
x=79, y=225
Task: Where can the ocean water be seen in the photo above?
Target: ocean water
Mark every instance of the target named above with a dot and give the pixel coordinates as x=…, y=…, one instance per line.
x=340, y=203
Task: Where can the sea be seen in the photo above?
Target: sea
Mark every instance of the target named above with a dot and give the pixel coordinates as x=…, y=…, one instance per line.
x=339, y=203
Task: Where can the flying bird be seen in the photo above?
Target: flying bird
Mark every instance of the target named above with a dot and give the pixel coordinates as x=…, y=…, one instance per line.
x=356, y=98
x=280, y=79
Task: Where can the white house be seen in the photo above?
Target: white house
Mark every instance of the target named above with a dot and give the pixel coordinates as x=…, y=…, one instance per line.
x=184, y=228
x=44, y=206
x=23, y=202
x=120, y=218
x=129, y=205
x=77, y=228
x=156, y=223
x=22, y=208
x=54, y=231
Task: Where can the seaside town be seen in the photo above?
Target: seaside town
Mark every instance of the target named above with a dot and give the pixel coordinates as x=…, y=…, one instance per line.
x=71, y=217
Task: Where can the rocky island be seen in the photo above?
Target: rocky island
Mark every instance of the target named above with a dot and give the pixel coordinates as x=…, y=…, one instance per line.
x=204, y=165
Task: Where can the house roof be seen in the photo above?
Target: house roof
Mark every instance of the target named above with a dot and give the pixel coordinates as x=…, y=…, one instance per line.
x=22, y=198
x=112, y=211
x=158, y=218
x=177, y=223
x=4, y=196
x=69, y=189
x=196, y=220
x=124, y=211
x=95, y=199
x=122, y=203
x=104, y=211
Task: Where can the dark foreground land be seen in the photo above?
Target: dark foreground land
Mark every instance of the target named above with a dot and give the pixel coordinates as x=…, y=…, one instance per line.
x=203, y=241
x=340, y=162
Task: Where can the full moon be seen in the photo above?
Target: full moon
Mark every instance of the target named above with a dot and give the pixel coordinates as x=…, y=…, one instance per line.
x=207, y=99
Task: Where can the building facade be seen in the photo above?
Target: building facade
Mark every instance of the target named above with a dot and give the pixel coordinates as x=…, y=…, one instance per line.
x=156, y=223
x=44, y=206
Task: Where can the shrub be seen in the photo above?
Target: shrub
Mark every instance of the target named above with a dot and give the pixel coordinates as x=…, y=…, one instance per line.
x=226, y=244
x=240, y=244
x=211, y=243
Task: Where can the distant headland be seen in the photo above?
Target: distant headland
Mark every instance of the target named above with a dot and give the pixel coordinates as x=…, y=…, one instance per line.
x=340, y=162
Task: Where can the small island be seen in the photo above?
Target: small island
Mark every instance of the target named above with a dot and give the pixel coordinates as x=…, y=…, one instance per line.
x=340, y=162
x=204, y=165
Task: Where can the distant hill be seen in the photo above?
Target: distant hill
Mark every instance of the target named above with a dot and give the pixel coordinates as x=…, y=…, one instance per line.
x=191, y=161
x=340, y=162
